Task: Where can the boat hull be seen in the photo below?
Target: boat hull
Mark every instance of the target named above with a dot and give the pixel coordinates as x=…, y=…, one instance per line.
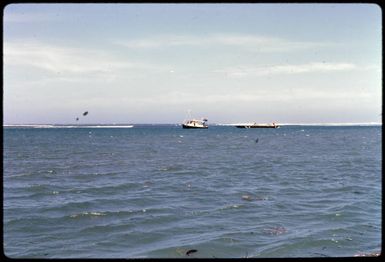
x=194, y=127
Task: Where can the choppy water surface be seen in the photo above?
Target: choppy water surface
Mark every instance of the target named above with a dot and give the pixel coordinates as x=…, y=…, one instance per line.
x=158, y=191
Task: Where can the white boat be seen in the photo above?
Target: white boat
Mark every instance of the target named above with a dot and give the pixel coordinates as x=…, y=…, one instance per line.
x=195, y=123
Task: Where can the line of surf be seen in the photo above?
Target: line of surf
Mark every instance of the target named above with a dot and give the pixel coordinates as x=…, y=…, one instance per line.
x=70, y=126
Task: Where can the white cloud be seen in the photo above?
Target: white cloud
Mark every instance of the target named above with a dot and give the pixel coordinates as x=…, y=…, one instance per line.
x=244, y=71
x=254, y=96
x=71, y=62
x=10, y=17
x=51, y=58
x=248, y=42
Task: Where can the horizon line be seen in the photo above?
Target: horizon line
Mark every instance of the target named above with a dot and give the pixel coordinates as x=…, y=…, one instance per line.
x=220, y=124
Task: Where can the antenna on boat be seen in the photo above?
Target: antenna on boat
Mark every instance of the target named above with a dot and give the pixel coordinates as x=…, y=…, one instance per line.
x=189, y=113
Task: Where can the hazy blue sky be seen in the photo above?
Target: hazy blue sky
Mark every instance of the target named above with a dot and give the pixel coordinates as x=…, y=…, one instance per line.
x=151, y=63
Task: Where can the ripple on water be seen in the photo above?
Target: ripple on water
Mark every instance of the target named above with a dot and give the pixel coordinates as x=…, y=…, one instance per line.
x=144, y=194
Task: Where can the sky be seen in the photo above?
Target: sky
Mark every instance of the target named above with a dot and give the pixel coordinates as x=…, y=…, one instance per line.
x=163, y=63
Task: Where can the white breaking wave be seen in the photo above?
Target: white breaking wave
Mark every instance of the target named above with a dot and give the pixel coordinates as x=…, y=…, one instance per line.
x=70, y=126
x=332, y=124
x=128, y=126
x=311, y=124
x=28, y=125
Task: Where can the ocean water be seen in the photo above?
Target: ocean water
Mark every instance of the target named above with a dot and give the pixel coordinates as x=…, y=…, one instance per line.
x=157, y=191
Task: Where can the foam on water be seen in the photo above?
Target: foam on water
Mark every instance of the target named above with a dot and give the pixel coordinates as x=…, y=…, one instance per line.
x=69, y=126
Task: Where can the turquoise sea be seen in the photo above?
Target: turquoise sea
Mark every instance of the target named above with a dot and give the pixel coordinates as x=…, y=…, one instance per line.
x=158, y=191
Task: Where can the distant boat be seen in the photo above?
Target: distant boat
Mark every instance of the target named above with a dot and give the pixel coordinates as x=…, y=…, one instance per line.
x=255, y=125
x=195, y=123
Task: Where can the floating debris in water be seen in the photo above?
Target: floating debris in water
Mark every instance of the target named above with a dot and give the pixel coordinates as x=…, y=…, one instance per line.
x=247, y=197
x=191, y=251
x=256, y=140
x=250, y=198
